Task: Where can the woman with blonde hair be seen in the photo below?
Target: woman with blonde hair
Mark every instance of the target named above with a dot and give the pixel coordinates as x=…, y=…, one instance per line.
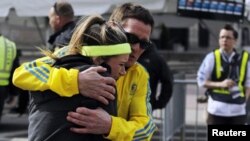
x=94, y=42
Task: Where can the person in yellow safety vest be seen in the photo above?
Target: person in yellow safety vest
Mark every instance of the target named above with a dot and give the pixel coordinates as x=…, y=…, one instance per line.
x=225, y=74
x=8, y=63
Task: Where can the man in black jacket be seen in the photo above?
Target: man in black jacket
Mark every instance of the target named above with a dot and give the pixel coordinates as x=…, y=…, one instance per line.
x=61, y=20
x=159, y=73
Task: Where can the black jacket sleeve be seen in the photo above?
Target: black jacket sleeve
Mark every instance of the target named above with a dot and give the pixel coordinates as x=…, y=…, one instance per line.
x=159, y=72
x=166, y=80
x=13, y=90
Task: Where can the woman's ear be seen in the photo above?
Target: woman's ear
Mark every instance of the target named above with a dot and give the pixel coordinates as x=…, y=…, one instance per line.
x=98, y=60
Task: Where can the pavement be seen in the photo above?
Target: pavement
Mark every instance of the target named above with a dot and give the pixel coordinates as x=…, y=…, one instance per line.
x=13, y=127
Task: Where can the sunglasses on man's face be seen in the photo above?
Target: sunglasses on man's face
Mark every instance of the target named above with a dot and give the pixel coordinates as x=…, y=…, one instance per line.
x=133, y=39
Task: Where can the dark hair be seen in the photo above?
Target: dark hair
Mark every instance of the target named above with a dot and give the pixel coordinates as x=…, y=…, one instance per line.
x=131, y=10
x=64, y=9
x=230, y=28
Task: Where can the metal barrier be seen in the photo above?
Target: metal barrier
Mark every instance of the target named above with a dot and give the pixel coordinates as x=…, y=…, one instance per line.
x=172, y=119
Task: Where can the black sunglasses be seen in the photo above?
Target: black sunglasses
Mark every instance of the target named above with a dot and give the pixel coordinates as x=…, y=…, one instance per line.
x=133, y=39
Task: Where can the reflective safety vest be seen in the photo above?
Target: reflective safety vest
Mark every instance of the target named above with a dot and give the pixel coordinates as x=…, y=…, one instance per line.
x=222, y=70
x=7, y=56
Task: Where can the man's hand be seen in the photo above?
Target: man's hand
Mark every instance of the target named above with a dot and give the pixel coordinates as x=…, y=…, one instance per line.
x=227, y=83
x=93, y=85
x=95, y=121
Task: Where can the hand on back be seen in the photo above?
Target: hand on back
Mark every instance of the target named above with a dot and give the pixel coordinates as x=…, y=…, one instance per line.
x=91, y=84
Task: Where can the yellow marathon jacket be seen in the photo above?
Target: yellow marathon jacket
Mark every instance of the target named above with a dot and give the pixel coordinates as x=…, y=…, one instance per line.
x=134, y=121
